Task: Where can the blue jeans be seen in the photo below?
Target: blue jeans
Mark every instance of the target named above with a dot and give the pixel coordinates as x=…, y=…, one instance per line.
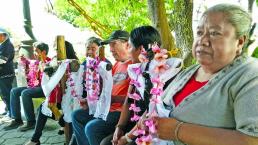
x=6, y=86
x=89, y=130
x=26, y=95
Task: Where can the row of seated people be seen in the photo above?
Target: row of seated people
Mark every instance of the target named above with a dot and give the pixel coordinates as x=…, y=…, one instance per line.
x=212, y=102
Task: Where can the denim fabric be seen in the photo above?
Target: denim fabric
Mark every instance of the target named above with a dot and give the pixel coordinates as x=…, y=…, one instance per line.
x=80, y=118
x=89, y=130
x=6, y=86
x=26, y=95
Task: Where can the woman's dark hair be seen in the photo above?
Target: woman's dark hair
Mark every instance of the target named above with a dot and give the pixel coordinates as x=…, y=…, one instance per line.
x=144, y=36
x=41, y=46
x=70, y=53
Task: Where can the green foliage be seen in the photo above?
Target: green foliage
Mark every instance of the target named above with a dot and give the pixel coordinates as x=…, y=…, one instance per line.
x=255, y=53
x=115, y=14
x=257, y=2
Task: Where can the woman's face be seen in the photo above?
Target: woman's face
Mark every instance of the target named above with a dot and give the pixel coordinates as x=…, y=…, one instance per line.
x=91, y=50
x=215, y=44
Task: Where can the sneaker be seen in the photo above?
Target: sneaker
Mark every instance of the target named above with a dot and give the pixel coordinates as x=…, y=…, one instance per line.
x=61, y=131
x=13, y=125
x=32, y=143
x=27, y=126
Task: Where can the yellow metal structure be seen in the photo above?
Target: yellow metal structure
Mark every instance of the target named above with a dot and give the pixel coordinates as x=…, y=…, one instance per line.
x=97, y=27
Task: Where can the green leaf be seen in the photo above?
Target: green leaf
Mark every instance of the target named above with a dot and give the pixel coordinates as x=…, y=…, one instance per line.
x=114, y=14
x=255, y=53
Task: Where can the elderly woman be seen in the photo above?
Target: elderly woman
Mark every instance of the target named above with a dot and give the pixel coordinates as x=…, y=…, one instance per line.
x=216, y=101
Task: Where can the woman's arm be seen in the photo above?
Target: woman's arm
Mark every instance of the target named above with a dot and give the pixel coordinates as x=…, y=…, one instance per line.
x=200, y=135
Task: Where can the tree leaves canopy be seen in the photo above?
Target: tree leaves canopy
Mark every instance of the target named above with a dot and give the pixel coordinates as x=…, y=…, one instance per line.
x=115, y=14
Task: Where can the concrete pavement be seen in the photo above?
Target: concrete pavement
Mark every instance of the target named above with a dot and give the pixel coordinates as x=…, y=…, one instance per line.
x=49, y=136
x=14, y=137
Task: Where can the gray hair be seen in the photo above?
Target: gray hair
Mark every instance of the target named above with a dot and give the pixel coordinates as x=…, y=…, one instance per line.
x=236, y=16
x=93, y=40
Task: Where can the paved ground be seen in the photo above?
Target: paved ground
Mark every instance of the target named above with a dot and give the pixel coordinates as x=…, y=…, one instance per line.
x=14, y=137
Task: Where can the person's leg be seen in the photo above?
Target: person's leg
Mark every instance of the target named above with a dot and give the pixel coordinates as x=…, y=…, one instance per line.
x=40, y=124
x=27, y=103
x=98, y=129
x=6, y=86
x=15, y=102
x=15, y=109
x=107, y=140
x=80, y=118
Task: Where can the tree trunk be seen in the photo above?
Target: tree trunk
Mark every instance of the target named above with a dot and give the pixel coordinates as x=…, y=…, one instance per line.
x=159, y=20
x=182, y=24
x=250, y=6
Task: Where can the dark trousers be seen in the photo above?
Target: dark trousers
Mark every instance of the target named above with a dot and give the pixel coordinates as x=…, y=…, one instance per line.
x=5, y=87
x=41, y=122
x=89, y=130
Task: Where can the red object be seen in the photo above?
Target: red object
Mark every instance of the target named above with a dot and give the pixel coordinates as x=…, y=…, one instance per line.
x=191, y=86
x=56, y=95
x=120, y=83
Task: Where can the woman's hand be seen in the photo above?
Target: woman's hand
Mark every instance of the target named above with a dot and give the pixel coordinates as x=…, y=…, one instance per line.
x=117, y=135
x=122, y=141
x=165, y=127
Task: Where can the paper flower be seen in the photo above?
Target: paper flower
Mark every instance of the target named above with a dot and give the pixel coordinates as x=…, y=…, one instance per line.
x=135, y=117
x=156, y=91
x=146, y=137
x=161, y=68
x=134, y=108
x=92, y=79
x=137, y=70
x=134, y=96
x=135, y=83
x=151, y=125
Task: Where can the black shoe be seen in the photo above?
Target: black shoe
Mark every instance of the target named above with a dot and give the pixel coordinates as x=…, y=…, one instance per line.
x=13, y=125
x=27, y=126
x=60, y=132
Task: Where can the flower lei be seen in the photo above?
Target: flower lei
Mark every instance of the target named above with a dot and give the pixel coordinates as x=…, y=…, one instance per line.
x=147, y=136
x=92, y=79
x=32, y=75
x=71, y=82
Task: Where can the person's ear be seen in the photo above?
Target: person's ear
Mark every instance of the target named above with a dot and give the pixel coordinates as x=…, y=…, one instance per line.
x=240, y=44
x=141, y=48
x=127, y=46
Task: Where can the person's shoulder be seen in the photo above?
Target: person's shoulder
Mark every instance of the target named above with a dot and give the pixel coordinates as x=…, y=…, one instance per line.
x=107, y=61
x=250, y=65
x=247, y=62
x=7, y=43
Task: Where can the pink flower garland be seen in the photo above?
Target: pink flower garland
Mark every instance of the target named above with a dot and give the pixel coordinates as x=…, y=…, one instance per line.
x=33, y=73
x=92, y=79
x=71, y=82
x=146, y=136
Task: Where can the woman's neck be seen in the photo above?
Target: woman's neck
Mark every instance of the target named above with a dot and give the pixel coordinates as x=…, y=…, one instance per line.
x=202, y=75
